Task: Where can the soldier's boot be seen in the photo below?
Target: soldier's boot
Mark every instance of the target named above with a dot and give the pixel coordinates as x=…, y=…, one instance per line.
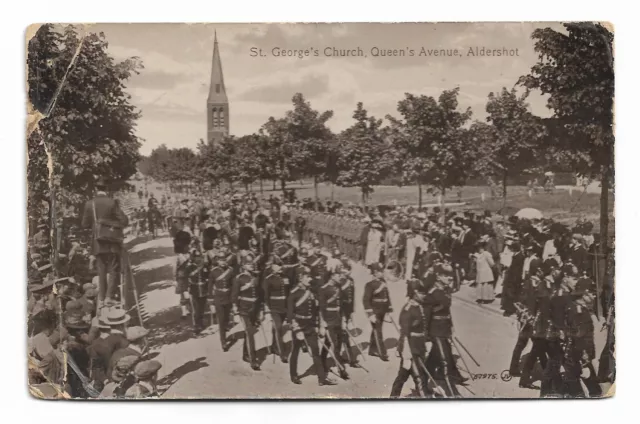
x=344, y=374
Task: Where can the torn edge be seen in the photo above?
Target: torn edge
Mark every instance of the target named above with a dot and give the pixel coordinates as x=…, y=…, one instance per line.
x=47, y=390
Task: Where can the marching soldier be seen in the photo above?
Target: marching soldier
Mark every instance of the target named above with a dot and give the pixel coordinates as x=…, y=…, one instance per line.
x=580, y=348
x=347, y=307
x=412, y=342
x=377, y=304
x=332, y=326
x=244, y=295
x=303, y=316
x=182, y=275
x=317, y=263
x=220, y=280
x=440, y=328
x=276, y=287
x=198, y=284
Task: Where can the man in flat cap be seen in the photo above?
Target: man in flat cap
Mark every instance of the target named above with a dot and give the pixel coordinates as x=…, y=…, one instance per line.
x=146, y=374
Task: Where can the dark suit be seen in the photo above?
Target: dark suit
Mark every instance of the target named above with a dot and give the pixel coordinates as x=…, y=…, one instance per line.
x=107, y=253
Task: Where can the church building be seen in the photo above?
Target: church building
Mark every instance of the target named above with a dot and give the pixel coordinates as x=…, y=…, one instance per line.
x=217, y=102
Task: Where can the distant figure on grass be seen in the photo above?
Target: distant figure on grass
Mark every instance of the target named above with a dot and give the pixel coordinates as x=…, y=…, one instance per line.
x=103, y=215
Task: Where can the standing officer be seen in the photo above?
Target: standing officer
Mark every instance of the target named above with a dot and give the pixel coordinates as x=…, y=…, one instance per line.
x=331, y=327
x=317, y=263
x=244, y=295
x=198, y=282
x=377, y=304
x=276, y=287
x=303, y=316
x=412, y=342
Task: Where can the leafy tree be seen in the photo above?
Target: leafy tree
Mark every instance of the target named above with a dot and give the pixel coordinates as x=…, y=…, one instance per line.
x=512, y=140
x=88, y=123
x=286, y=154
x=575, y=69
x=307, y=127
x=431, y=142
x=365, y=158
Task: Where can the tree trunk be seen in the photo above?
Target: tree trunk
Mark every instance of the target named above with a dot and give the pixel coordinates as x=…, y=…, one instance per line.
x=504, y=189
x=315, y=190
x=274, y=185
x=246, y=187
x=419, y=196
x=442, y=201
x=283, y=186
x=603, y=271
x=261, y=188
x=332, y=187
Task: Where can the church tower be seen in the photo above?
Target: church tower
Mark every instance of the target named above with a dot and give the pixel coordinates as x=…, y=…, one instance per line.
x=217, y=102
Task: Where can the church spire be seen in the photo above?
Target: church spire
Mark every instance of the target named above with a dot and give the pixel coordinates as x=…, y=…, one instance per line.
x=217, y=102
x=217, y=90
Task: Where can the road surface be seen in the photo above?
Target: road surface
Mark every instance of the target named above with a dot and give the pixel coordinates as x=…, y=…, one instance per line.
x=194, y=366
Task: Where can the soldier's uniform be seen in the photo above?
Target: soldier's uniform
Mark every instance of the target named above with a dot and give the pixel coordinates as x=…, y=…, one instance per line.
x=276, y=288
x=412, y=344
x=220, y=281
x=555, y=336
x=303, y=315
x=347, y=307
x=377, y=304
x=329, y=303
x=287, y=256
x=526, y=313
x=580, y=348
x=539, y=305
x=439, y=331
x=182, y=280
x=317, y=263
x=198, y=291
x=244, y=295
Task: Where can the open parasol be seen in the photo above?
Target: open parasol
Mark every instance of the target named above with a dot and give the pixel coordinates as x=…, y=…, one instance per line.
x=529, y=213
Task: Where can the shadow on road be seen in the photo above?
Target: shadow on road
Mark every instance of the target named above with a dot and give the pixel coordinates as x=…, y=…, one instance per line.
x=170, y=379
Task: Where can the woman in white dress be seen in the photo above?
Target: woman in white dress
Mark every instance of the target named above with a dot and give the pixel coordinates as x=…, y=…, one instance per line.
x=484, y=275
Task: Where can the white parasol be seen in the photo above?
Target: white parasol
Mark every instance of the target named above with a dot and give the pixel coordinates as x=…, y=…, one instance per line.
x=529, y=213
x=548, y=174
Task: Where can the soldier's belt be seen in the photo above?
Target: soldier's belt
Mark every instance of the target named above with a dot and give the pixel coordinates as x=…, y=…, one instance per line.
x=412, y=334
x=333, y=308
x=303, y=316
x=277, y=297
x=222, y=290
x=248, y=299
x=380, y=300
x=442, y=317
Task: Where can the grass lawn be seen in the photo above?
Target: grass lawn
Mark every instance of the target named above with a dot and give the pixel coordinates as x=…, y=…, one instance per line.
x=560, y=205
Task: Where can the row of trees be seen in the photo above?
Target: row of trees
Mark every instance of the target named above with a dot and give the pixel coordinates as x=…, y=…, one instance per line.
x=87, y=122
x=432, y=142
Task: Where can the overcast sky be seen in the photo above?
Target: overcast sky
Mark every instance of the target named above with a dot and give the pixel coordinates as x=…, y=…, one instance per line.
x=172, y=90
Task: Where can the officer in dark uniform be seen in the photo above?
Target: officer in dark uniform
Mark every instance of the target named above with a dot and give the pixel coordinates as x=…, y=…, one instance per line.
x=440, y=328
x=412, y=342
x=559, y=300
x=317, y=263
x=287, y=257
x=220, y=280
x=198, y=281
x=377, y=304
x=347, y=307
x=244, y=295
x=535, y=298
x=331, y=327
x=303, y=315
x=275, y=288
x=580, y=348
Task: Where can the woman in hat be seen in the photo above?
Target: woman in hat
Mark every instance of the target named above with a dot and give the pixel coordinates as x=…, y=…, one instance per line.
x=484, y=273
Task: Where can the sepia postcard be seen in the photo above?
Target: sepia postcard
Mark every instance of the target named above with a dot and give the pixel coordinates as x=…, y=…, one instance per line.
x=321, y=211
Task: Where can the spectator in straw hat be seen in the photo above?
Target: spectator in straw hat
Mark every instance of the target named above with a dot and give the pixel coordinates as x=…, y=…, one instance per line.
x=101, y=348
